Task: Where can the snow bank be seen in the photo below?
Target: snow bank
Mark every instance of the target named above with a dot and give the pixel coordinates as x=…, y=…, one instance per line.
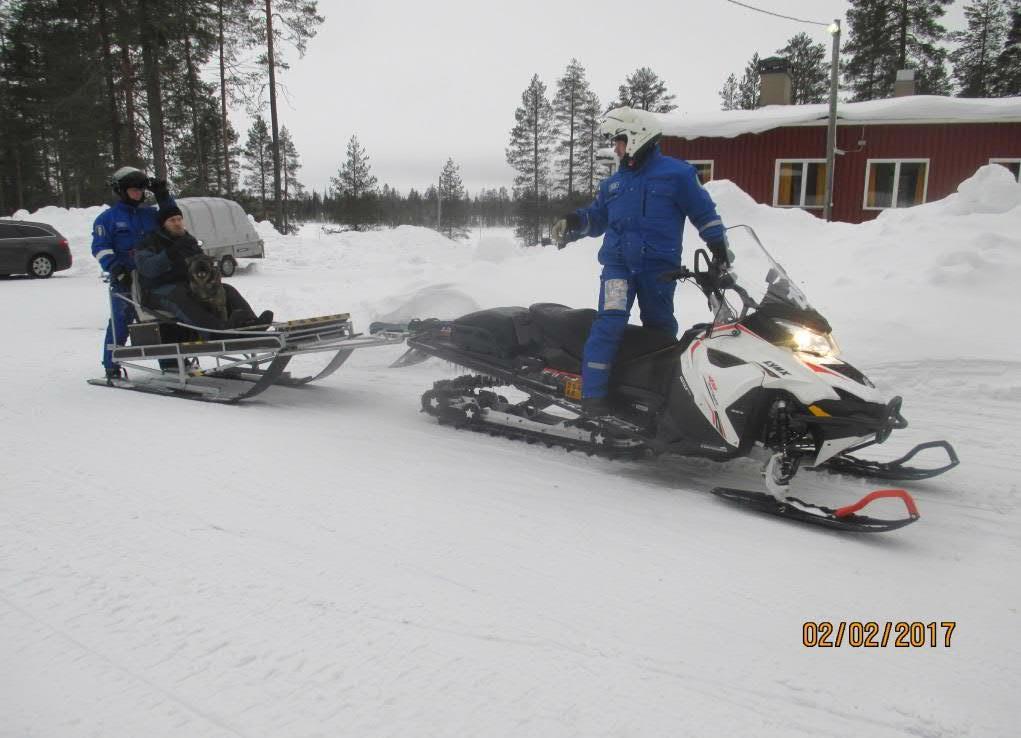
x=992, y=189
x=496, y=248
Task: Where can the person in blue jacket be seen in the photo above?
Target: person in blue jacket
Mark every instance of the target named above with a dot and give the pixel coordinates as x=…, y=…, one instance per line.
x=115, y=235
x=641, y=209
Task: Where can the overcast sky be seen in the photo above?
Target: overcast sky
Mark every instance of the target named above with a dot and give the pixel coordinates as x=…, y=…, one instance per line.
x=422, y=81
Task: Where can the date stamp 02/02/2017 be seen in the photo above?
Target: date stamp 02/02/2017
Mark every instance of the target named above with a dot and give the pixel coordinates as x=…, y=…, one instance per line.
x=874, y=634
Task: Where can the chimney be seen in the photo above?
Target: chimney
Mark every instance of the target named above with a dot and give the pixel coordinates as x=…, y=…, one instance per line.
x=905, y=84
x=775, y=82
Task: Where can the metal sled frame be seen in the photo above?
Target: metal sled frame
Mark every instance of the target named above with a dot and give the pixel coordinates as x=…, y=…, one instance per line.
x=246, y=362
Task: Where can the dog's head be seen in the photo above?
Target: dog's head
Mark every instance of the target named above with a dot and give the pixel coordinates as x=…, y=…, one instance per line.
x=203, y=274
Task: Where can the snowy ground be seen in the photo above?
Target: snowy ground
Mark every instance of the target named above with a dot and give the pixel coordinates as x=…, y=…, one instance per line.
x=327, y=561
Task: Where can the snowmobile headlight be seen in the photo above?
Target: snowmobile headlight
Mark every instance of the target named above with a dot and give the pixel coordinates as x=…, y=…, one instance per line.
x=808, y=341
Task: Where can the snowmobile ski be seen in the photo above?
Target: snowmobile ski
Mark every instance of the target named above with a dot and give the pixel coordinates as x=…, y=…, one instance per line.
x=892, y=470
x=843, y=518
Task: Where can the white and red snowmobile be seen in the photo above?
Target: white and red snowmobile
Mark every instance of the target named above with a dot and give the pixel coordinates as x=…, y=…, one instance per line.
x=763, y=378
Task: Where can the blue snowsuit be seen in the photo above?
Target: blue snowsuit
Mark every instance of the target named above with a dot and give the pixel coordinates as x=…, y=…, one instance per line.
x=641, y=210
x=115, y=234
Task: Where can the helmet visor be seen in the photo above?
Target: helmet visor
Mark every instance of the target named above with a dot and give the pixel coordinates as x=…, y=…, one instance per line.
x=133, y=179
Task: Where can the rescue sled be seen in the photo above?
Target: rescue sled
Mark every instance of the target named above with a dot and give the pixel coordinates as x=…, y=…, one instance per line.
x=168, y=357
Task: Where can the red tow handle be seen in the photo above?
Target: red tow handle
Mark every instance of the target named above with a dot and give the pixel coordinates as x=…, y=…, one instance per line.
x=879, y=494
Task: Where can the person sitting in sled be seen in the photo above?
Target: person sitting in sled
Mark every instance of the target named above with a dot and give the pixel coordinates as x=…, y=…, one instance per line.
x=116, y=234
x=641, y=209
x=175, y=275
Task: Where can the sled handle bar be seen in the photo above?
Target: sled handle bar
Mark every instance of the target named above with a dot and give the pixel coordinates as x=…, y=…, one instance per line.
x=902, y=494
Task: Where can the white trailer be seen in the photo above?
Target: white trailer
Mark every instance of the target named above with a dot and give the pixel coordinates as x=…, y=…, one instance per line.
x=223, y=228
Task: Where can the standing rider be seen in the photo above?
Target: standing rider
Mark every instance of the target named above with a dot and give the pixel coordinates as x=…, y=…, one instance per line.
x=641, y=208
x=115, y=235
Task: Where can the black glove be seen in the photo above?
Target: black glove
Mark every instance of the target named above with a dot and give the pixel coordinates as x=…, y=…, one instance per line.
x=158, y=187
x=674, y=274
x=178, y=263
x=120, y=275
x=721, y=252
x=187, y=245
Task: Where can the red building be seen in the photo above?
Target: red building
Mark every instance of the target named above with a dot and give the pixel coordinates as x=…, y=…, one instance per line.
x=891, y=153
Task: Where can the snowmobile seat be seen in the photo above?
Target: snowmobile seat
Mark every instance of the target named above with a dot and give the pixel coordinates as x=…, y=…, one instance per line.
x=567, y=330
x=562, y=328
x=502, y=332
x=644, y=360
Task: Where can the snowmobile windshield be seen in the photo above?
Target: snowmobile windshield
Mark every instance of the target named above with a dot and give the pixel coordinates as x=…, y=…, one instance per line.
x=761, y=286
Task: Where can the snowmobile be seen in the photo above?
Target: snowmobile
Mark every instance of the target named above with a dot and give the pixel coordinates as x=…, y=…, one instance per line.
x=762, y=378
x=169, y=357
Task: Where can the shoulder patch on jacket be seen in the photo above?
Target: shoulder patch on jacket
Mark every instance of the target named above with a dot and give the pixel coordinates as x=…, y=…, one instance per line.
x=100, y=230
x=614, y=186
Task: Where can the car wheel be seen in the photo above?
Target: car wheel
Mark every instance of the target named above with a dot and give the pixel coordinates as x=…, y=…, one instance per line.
x=228, y=266
x=41, y=266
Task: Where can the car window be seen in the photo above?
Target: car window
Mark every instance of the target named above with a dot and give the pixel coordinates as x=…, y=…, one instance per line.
x=9, y=230
x=33, y=231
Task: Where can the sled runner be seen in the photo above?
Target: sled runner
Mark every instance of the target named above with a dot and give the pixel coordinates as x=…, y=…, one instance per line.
x=762, y=379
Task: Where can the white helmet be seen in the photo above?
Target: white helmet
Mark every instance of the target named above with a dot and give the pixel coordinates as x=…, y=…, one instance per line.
x=639, y=127
x=126, y=177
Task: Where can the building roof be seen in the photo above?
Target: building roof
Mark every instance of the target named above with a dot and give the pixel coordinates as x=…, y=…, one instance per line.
x=918, y=109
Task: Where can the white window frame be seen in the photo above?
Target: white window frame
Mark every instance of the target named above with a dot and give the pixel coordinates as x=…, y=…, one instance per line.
x=896, y=181
x=1008, y=160
x=804, y=183
x=710, y=162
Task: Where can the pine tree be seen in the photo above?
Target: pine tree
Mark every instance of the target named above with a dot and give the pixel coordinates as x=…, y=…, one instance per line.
x=869, y=50
x=531, y=141
x=451, y=191
x=809, y=69
x=729, y=98
x=919, y=43
x=56, y=112
x=885, y=36
x=290, y=164
x=355, y=185
x=296, y=22
x=644, y=90
x=748, y=87
x=569, y=104
x=590, y=141
x=1007, y=74
x=233, y=37
x=90, y=85
x=258, y=158
x=974, y=59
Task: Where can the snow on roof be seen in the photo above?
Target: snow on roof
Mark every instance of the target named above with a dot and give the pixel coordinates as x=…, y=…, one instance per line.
x=912, y=109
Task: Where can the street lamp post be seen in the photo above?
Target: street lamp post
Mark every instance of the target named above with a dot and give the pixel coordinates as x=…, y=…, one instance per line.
x=831, y=133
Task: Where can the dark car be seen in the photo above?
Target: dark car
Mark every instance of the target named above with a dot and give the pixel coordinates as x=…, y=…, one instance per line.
x=36, y=249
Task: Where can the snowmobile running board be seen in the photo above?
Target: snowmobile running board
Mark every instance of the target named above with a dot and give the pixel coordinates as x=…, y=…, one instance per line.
x=843, y=518
x=246, y=362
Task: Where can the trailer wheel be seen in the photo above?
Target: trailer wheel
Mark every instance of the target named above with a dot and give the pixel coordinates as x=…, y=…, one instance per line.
x=228, y=266
x=41, y=266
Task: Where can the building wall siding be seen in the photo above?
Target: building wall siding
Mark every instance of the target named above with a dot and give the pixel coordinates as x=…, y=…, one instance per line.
x=955, y=151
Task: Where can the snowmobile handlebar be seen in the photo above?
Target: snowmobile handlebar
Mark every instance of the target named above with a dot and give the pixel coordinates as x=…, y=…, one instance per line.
x=711, y=276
